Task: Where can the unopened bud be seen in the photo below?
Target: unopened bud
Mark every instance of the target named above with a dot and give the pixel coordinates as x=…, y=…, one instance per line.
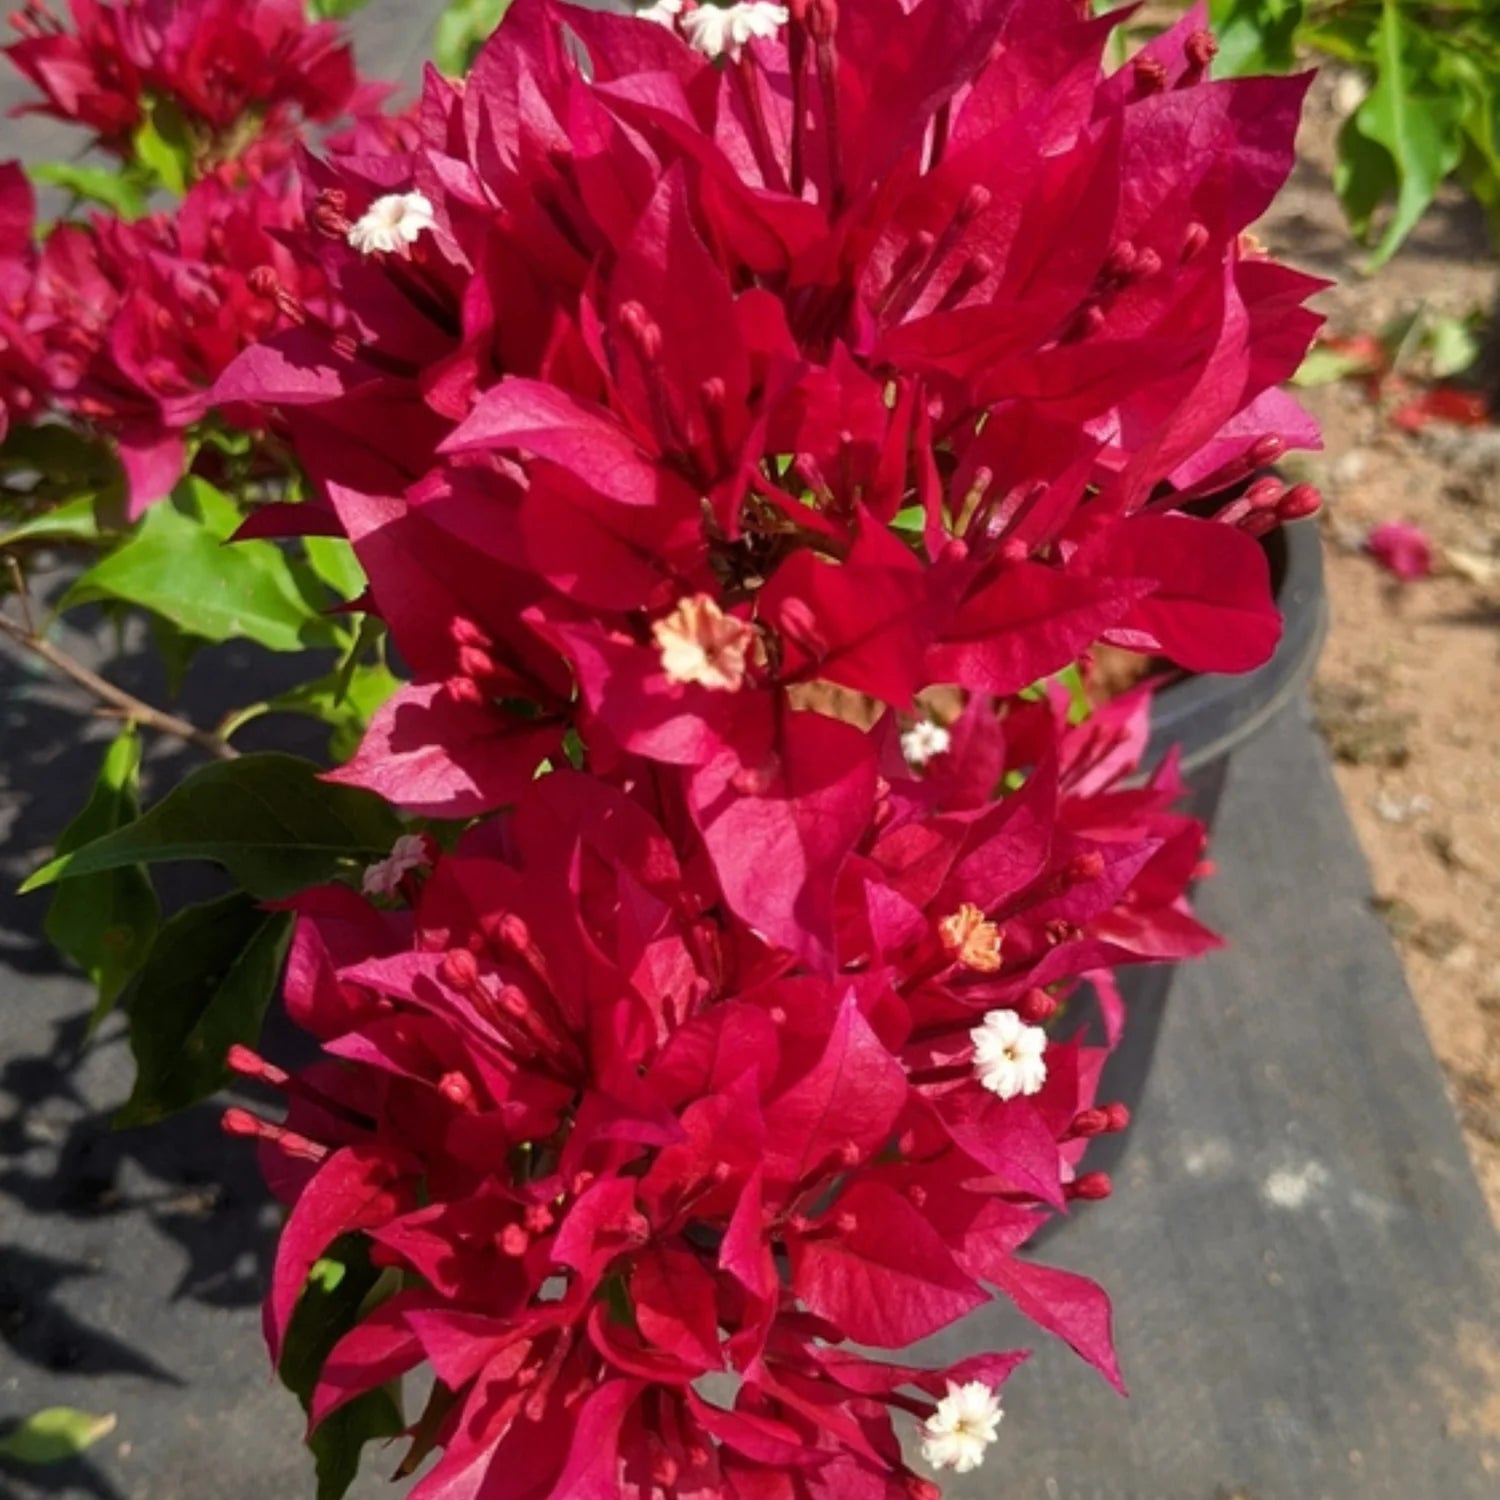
x=456, y=1089
x=1090, y=1122
x=514, y=1241
x=459, y=969
x=1091, y=1187
x=1265, y=450
x=1194, y=239
x=1036, y=1006
x=1300, y=501
x=1147, y=265
x=975, y=200
x=264, y=282
x=1120, y=262
x=1150, y=75
x=1200, y=49
x=247, y=1064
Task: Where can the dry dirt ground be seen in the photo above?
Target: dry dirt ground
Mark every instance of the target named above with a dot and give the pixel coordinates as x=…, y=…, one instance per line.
x=1408, y=691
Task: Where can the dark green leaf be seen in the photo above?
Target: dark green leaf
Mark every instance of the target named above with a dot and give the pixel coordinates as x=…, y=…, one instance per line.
x=338, y=1289
x=105, y=922
x=116, y=191
x=206, y=984
x=267, y=819
x=177, y=567
x=55, y=1435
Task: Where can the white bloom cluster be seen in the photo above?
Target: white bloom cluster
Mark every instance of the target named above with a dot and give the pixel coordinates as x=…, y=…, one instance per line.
x=391, y=222
x=923, y=741
x=1008, y=1054
x=965, y=1423
x=724, y=30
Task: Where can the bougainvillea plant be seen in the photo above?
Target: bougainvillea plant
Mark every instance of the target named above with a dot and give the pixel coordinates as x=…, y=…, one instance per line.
x=745, y=420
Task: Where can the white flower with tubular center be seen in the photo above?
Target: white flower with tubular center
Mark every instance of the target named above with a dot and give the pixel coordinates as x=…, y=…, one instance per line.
x=923, y=741
x=966, y=1422
x=1008, y=1054
x=724, y=30
x=384, y=877
x=699, y=643
x=392, y=222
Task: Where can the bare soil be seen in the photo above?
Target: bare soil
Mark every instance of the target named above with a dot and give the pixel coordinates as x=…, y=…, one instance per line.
x=1408, y=691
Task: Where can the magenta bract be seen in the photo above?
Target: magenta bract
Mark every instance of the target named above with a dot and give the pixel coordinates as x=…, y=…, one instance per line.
x=736, y=447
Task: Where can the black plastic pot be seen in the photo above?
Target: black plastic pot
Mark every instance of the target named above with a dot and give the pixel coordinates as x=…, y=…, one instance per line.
x=1211, y=717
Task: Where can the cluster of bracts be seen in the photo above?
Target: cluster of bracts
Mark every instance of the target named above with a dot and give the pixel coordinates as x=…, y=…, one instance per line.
x=742, y=416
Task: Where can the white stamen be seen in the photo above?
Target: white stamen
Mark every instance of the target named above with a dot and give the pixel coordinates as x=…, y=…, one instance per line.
x=391, y=222
x=1008, y=1054
x=965, y=1423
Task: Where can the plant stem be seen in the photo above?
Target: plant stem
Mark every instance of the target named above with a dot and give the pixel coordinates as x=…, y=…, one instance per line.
x=127, y=705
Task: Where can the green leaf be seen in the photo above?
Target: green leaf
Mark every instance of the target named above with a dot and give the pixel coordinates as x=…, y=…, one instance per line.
x=177, y=567
x=164, y=146
x=1452, y=347
x=346, y=700
x=1324, y=366
x=339, y=1288
x=266, y=818
x=1413, y=121
x=76, y=521
x=114, y=189
x=332, y=559
x=1255, y=36
x=105, y=922
x=461, y=31
x=55, y=1435
x=206, y=984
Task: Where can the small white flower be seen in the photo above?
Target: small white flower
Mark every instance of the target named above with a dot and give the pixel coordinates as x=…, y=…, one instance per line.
x=965, y=1423
x=923, y=741
x=662, y=13
x=1008, y=1054
x=723, y=30
x=391, y=222
x=408, y=853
